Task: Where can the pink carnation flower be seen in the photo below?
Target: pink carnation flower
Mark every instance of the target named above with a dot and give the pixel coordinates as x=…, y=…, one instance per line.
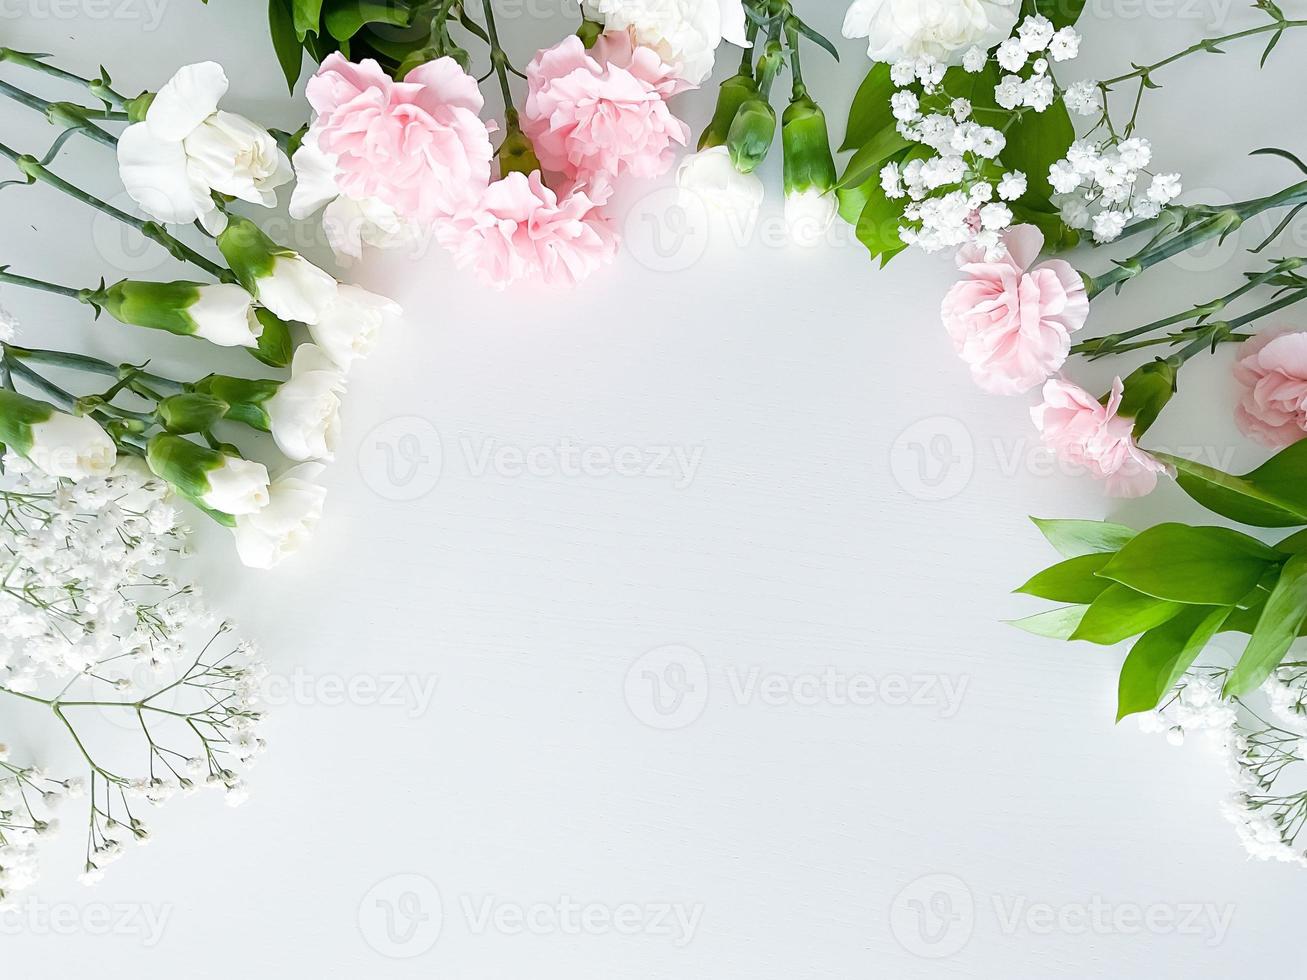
x=1012, y=323
x=603, y=111
x=1272, y=367
x=418, y=146
x=521, y=230
x=1082, y=431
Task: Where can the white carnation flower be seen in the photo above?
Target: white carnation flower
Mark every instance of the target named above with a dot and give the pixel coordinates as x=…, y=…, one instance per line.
x=941, y=29
x=685, y=32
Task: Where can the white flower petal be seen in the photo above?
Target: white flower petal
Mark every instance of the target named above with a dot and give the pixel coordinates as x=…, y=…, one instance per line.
x=187, y=100
x=157, y=177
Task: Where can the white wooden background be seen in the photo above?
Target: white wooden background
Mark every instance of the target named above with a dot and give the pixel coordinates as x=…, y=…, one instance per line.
x=613, y=680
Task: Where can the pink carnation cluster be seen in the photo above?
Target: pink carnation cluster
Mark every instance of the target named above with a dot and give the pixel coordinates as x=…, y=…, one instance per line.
x=393, y=161
x=1011, y=321
x=603, y=111
x=1272, y=368
x=1083, y=431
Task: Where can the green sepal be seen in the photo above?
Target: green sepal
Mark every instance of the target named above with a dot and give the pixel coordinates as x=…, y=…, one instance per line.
x=245, y=398
x=753, y=131
x=156, y=305
x=735, y=91
x=191, y=412
x=137, y=108
x=1146, y=392
x=249, y=252
x=276, y=346
x=806, y=142
x=184, y=464
x=18, y=414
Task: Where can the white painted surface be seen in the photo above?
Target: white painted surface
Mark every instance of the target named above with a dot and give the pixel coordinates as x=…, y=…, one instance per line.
x=808, y=540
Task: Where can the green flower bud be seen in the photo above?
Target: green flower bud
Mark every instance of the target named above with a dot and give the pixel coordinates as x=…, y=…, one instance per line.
x=221, y=482
x=809, y=164
x=191, y=412
x=589, y=32
x=753, y=130
x=246, y=399
x=1147, y=392
x=221, y=313
x=734, y=93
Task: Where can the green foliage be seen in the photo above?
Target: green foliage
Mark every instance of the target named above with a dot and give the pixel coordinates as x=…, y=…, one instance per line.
x=382, y=29
x=1174, y=586
x=1273, y=495
x=1063, y=13
x=1034, y=142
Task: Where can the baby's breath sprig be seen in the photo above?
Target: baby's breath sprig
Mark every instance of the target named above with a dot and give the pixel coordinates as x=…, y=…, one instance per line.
x=90, y=620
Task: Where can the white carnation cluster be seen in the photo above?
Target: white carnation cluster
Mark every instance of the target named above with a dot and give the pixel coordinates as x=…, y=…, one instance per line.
x=90, y=621
x=685, y=32
x=1099, y=186
x=1258, y=754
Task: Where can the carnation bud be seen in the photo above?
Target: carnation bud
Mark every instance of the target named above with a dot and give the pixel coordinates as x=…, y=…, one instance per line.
x=191, y=412
x=276, y=346
x=224, y=484
x=62, y=445
x=285, y=282
x=245, y=398
x=1147, y=392
x=221, y=313
x=734, y=93
x=753, y=130
x=809, y=164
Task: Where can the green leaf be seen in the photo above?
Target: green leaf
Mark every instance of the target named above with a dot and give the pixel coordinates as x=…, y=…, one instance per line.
x=872, y=157
x=306, y=15
x=1211, y=566
x=878, y=225
x=1120, y=613
x=1075, y=538
x=853, y=200
x=285, y=41
x=1273, y=495
x=1160, y=657
x=1036, y=141
x=1073, y=580
x=870, y=112
x=1279, y=625
x=1058, y=236
x=345, y=18
x=1056, y=624
x=1063, y=13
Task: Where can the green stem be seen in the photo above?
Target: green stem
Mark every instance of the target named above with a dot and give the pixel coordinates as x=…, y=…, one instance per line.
x=35, y=170
x=40, y=284
x=498, y=58
x=97, y=86
x=89, y=365
x=1219, y=223
x=1207, y=44
x=1112, y=343
x=67, y=114
x=800, y=90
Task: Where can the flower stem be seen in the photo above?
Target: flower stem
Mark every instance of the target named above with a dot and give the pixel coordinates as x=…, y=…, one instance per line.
x=27, y=282
x=96, y=86
x=89, y=365
x=498, y=58
x=35, y=170
x=1219, y=223
x=1112, y=343
x=67, y=114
